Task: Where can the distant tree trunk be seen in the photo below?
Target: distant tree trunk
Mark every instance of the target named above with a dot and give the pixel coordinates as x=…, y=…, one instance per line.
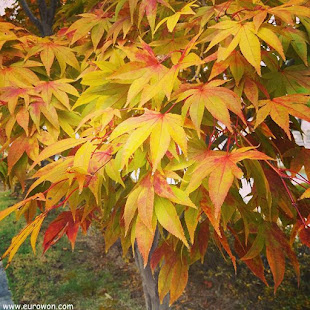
x=150, y=281
x=47, y=15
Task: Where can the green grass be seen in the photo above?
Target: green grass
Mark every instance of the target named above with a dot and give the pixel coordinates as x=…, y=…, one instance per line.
x=85, y=278
x=8, y=227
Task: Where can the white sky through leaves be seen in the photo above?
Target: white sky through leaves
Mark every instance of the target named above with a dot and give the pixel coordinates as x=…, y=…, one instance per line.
x=4, y=4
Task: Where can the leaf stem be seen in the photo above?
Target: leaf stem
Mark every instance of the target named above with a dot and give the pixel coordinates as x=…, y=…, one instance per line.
x=294, y=203
x=224, y=8
x=171, y=107
x=282, y=176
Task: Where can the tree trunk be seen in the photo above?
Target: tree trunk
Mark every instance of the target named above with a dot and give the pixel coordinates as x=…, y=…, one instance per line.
x=47, y=14
x=46, y=30
x=150, y=281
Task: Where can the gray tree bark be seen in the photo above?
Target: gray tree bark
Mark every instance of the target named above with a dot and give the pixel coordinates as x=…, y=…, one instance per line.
x=47, y=15
x=150, y=281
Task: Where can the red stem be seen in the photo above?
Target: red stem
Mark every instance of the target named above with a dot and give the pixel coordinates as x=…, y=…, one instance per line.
x=294, y=203
x=65, y=200
x=227, y=6
x=171, y=107
x=282, y=175
x=53, y=185
x=228, y=144
x=212, y=134
x=297, y=173
x=244, y=9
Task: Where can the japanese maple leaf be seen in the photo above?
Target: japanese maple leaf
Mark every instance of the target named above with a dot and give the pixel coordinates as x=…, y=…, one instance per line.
x=247, y=38
x=32, y=229
x=299, y=41
x=281, y=107
x=63, y=224
x=161, y=128
x=12, y=94
x=254, y=263
x=59, y=88
x=300, y=158
x=7, y=36
x=142, y=198
x=38, y=106
x=173, y=19
x=154, y=196
x=285, y=12
x=6, y=27
x=217, y=100
x=19, y=146
x=242, y=74
x=143, y=69
x=49, y=50
x=123, y=24
x=18, y=75
x=277, y=247
x=149, y=8
x=235, y=62
x=221, y=167
x=105, y=94
x=291, y=80
x=95, y=24
x=150, y=79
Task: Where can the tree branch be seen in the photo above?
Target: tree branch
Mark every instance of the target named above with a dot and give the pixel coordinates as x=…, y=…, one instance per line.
x=47, y=15
x=28, y=12
x=43, y=10
x=52, y=11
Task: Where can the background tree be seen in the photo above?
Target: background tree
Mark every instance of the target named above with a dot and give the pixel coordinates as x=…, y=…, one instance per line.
x=154, y=114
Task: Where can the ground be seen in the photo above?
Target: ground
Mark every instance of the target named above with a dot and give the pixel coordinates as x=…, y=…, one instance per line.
x=93, y=280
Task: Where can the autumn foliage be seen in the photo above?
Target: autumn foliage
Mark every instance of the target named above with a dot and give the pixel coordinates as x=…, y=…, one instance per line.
x=152, y=115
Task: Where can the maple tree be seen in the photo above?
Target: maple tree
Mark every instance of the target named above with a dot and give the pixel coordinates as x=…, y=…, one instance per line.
x=151, y=115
